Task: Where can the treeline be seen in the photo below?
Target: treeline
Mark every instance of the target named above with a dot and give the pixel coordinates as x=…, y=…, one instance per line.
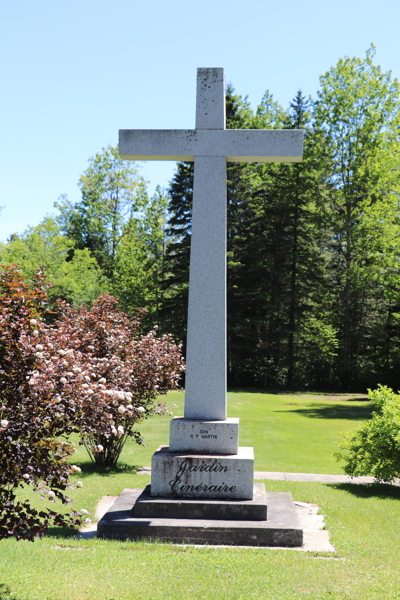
x=313, y=247
x=111, y=241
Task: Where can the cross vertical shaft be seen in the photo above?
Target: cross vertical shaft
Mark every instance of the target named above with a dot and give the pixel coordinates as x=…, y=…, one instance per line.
x=205, y=384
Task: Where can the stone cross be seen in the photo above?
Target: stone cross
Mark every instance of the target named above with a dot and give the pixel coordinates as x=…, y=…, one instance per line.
x=210, y=146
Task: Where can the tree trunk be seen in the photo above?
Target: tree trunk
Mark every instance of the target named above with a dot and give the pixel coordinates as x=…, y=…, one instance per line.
x=293, y=295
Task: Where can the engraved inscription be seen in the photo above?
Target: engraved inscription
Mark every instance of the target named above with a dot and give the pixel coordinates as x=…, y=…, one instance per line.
x=216, y=467
x=185, y=467
x=207, y=436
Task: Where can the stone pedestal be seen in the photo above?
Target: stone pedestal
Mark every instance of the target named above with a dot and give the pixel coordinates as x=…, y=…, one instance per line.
x=183, y=475
x=204, y=437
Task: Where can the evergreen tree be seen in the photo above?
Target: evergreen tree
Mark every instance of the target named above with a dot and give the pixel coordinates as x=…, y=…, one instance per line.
x=175, y=283
x=293, y=198
x=242, y=313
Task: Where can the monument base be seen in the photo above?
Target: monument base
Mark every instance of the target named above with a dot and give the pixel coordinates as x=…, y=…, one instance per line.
x=282, y=528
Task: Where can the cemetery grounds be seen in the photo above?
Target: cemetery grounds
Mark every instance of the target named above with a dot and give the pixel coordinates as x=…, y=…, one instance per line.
x=295, y=433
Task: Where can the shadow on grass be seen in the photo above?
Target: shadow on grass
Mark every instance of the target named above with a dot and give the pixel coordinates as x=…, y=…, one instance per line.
x=88, y=468
x=384, y=491
x=266, y=391
x=6, y=593
x=362, y=399
x=329, y=411
x=59, y=532
x=281, y=392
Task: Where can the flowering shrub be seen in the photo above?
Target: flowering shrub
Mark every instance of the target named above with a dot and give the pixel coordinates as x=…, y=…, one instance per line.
x=29, y=451
x=89, y=372
x=110, y=373
x=374, y=449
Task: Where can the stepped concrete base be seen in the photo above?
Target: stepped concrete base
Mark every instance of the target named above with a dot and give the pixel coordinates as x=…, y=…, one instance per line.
x=183, y=475
x=204, y=437
x=146, y=506
x=282, y=528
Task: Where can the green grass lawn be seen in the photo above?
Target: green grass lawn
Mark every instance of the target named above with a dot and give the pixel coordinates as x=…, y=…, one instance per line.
x=293, y=433
x=296, y=433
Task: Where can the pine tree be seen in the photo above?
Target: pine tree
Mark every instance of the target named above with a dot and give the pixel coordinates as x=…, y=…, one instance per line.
x=242, y=325
x=173, y=313
x=312, y=340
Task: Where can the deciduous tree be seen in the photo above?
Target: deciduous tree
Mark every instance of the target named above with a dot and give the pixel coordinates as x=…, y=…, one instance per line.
x=112, y=193
x=74, y=273
x=358, y=108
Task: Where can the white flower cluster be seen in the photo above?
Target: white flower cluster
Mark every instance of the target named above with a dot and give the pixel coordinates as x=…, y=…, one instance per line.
x=127, y=396
x=118, y=431
x=65, y=352
x=4, y=423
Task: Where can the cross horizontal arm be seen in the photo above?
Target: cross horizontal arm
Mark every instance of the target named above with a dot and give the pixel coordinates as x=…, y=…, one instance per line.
x=237, y=145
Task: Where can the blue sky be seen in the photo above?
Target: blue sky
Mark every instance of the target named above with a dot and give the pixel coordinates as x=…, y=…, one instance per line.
x=75, y=71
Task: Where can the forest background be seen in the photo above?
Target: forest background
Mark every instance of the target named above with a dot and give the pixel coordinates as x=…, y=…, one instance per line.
x=313, y=247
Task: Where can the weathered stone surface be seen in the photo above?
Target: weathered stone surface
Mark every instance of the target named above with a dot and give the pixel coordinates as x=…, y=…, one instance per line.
x=210, y=88
x=192, y=508
x=177, y=475
x=236, y=145
x=205, y=437
x=205, y=379
x=282, y=528
x=210, y=145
